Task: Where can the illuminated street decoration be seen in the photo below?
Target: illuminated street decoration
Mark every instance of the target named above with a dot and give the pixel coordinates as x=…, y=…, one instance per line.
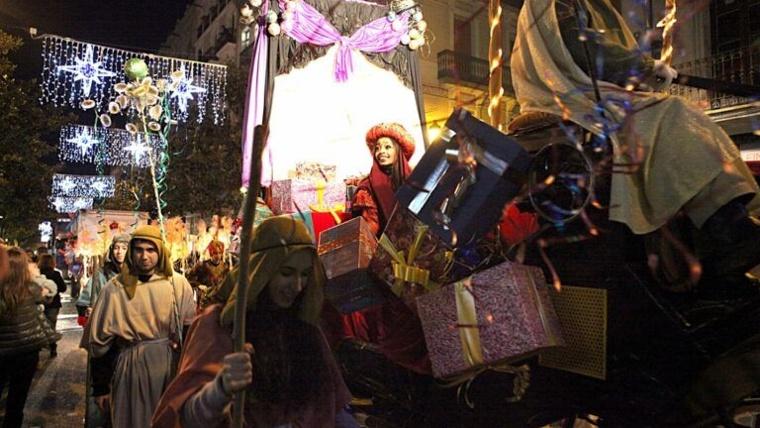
x=109, y=146
x=63, y=204
x=79, y=74
x=138, y=149
x=84, y=186
x=86, y=70
x=182, y=89
x=46, y=231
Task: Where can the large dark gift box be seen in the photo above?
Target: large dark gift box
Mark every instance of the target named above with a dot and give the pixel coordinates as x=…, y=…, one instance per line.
x=410, y=259
x=461, y=203
x=497, y=316
x=346, y=251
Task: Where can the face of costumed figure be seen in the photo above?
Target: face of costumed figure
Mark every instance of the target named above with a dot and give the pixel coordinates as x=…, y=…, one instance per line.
x=144, y=256
x=386, y=151
x=293, y=276
x=216, y=255
x=119, y=252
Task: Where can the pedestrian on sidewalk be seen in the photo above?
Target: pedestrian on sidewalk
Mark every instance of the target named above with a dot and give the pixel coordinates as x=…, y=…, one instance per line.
x=21, y=335
x=46, y=264
x=134, y=331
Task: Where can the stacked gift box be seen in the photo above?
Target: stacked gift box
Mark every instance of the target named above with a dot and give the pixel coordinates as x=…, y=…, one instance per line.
x=314, y=193
x=346, y=251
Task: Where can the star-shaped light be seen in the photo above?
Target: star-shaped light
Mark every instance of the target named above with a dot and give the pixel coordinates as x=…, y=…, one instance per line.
x=82, y=204
x=182, y=88
x=84, y=141
x=138, y=149
x=58, y=204
x=86, y=70
x=66, y=185
x=100, y=186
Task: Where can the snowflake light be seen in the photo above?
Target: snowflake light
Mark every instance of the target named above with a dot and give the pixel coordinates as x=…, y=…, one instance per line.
x=84, y=186
x=109, y=147
x=69, y=64
x=46, y=231
x=86, y=70
x=182, y=89
x=63, y=204
x=138, y=149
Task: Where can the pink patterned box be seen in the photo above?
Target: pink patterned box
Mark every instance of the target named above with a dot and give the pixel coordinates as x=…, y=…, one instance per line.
x=287, y=194
x=500, y=315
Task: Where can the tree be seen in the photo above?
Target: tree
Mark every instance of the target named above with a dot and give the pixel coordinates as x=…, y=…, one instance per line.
x=28, y=135
x=205, y=166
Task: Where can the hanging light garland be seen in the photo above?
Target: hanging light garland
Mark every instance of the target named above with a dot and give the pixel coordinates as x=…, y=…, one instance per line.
x=84, y=186
x=63, y=204
x=107, y=146
x=83, y=75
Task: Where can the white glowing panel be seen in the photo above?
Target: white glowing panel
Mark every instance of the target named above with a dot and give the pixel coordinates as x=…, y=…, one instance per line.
x=316, y=119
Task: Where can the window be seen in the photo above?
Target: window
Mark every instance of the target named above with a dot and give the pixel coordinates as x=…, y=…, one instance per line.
x=245, y=37
x=462, y=36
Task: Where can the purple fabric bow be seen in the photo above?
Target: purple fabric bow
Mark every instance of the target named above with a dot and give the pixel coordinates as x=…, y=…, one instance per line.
x=306, y=25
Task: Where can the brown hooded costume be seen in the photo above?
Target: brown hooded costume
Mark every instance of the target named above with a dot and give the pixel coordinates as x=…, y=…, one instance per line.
x=132, y=322
x=195, y=399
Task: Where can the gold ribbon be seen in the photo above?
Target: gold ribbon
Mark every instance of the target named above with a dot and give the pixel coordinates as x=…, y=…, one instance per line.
x=472, y=350
x=320, y=206
x=342, y=242
x=404, y=269
x=467, y=323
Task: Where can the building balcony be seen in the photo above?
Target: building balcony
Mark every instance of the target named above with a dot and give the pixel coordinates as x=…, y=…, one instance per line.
x=739, y=66
x=460, y=69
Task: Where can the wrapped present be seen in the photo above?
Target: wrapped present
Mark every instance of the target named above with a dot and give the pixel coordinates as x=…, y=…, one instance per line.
x=465, y=178
x=313, y=171
x=346, y=251
x=497, y=316
x=289, y=196
x=326, y=220
x=409, y=259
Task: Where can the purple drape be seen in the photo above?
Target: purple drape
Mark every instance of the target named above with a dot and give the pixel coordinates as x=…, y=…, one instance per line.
x=254, y=102
x=306, y=25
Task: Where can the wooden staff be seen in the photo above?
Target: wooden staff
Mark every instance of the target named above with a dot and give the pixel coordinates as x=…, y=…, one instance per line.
x=249, y=215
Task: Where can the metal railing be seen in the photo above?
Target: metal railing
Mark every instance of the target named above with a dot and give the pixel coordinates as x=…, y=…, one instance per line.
x=463, y=69
x=739, y=66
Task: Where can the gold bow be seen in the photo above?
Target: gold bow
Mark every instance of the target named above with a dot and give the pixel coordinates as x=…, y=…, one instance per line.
x=320, y=206
x=404, y=269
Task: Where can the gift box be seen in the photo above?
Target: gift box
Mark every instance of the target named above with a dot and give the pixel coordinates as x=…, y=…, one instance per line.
x=465, y=178
x=289, y=196
x=346, y=251
x=327, y=220
x=409, y=259
x=313, y=171
x=495, y=317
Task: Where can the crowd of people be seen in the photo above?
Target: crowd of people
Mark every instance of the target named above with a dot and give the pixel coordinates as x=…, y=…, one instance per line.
x=159, y=343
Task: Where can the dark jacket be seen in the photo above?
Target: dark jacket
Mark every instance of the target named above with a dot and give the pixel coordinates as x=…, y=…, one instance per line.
x=22, y=331
x=56, y=277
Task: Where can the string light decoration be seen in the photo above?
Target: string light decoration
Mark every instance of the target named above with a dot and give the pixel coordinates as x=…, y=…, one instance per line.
x=107, y=146
x=84, y=186
x=495, y=57
x=64, y=204
x=74, y=72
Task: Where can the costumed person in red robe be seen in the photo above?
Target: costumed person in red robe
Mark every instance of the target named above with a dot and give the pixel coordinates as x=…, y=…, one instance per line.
x=209, y=273
x=392, y=327
x=288, y=371
x=391, y=147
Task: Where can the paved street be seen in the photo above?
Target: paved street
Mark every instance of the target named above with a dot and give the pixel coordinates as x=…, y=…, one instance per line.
x=57, y=395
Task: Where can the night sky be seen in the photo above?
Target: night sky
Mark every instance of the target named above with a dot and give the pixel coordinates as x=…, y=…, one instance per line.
x=129, y=24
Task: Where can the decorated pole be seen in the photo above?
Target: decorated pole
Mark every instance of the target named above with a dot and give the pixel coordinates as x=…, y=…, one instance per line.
x=495, y=58
x=249, y=215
